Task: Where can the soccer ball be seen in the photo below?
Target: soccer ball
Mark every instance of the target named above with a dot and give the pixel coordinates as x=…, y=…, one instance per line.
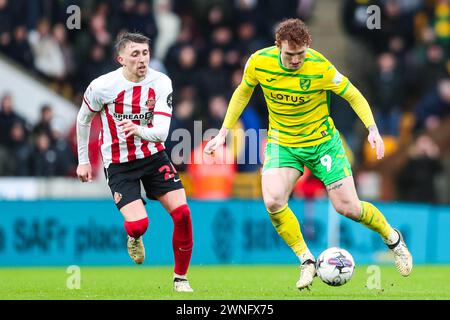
x=335, y=266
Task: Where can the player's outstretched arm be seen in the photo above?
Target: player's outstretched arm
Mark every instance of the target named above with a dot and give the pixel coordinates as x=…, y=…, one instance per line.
x=238, y=102
x=362, y=109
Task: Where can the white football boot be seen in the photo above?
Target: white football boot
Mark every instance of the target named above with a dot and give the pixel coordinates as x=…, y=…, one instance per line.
x=181, y=284
x=307, y=273
x=403, y=258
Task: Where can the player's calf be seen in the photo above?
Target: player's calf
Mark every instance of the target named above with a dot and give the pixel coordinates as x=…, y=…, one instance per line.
x=182, y=238
x=351, y=210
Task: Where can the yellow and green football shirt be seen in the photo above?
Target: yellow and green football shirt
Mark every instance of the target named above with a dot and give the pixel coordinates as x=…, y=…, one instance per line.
x=298, y=101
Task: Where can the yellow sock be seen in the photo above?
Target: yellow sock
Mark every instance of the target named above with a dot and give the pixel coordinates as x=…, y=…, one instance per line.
x=288, y=228
x=372, y=218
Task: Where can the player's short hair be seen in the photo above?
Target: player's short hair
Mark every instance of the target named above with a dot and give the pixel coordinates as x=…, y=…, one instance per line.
x=126, y=37
x=294, y=31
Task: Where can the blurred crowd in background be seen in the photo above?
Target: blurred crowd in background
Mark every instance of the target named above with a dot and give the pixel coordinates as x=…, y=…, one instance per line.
x=203, y=46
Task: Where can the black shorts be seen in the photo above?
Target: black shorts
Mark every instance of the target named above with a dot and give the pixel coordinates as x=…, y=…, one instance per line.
x=156, y=172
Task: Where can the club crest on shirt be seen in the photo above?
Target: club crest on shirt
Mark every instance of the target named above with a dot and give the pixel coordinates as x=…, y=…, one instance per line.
x=305, y=84
x=150, y=103
x=117, y=197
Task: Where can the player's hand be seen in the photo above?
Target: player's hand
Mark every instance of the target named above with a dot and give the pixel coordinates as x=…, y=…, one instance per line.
x=376, y=142
x=215, y=142
x=129, y=128
x=84, y=172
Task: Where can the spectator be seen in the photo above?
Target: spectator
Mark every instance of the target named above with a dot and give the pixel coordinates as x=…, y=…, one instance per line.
x=433, y=106
x=222, y=37
x=185, y=38
x=66, y=162
x=354, y=19
x=6, y=18
x=388, y=87
x=97, y=64
x=5, y=43
x=7, y=119
x=44, y=124
x=20, y=49
x=185, y=71
x=217, y=108
x=48, y=57
x=214, y=78
x=416, y=181
x=19, y=151
x=181, y=128
x=60, y=35
x=248, y=38
x=97, y=35
x=144, y=20
x=169, y=22
x=44, y=160
x=441, y=22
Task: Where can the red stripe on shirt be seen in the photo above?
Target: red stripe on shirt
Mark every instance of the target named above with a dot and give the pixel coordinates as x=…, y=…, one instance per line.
x=144, y=146
x=163, y=114
x=118, y=102
x=159, y=146
x=115, y=149
x=89, y=107
x=115, y=146
x=100, y=140
x=102, y=132
x=135, y=109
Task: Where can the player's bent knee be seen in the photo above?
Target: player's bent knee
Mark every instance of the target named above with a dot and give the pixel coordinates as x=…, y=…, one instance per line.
x=136, y=228
x=181, y=214
x=349, y=210
x=181, y=217
x=274, y=204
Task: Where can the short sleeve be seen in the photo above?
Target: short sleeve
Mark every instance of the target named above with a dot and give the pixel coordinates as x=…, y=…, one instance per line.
x=249, y=77
x=334, y=80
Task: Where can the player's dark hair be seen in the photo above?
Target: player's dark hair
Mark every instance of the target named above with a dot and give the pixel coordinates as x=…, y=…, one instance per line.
x=126, y=37
x=294, y=31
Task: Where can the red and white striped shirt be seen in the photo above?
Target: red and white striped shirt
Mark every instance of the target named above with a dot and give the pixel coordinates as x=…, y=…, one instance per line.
x=147, y=103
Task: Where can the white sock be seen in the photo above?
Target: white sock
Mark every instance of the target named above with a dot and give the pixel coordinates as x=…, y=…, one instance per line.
x=305, y=256
x=393, y=237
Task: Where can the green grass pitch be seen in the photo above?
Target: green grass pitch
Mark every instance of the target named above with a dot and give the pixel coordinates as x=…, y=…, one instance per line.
x=271, y=282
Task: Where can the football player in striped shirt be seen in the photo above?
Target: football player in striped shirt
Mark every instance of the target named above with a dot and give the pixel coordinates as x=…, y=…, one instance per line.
x=135, y=107
x=296, y=81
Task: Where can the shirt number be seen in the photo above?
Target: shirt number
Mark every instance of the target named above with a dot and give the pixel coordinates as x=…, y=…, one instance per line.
x=326, y=162
x=169, y=172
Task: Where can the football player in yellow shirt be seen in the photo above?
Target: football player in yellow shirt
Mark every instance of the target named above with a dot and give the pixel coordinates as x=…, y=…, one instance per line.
x=296, y=81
